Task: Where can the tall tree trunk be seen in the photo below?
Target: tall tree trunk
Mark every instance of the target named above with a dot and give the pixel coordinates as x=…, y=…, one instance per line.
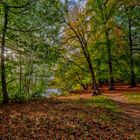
x=132, y=76
x=94, y=83
x=111, y=78
x=86, y=53
x=3, y=71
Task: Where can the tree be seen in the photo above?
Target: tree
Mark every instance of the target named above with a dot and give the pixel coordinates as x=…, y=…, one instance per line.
x=18, y=34
x=6, y=9
x=77, y=30
x=129, y=12
x=103, y=12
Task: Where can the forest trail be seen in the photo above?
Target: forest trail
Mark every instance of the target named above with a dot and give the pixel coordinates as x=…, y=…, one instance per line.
x=132, y=110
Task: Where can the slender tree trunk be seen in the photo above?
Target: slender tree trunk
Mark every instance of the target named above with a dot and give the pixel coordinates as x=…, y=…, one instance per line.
x=3, y=71
x=132, y=76
x=30, y=72
x=20, y=75
x=111, y=78
x=80, y=81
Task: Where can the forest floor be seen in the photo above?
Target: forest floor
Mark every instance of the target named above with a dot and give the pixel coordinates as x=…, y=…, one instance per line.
x=74, y=117
x=119, y=96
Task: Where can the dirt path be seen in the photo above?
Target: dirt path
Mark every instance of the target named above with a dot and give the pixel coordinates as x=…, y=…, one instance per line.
x=132, y=110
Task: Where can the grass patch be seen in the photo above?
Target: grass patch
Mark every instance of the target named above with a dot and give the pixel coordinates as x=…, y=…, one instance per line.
x=102, y=102
x=133, y=98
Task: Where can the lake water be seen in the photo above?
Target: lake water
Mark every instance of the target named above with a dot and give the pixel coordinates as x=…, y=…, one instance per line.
x=50, y=91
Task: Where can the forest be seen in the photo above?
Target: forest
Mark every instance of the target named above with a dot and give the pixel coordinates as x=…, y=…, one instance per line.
x=70, y=69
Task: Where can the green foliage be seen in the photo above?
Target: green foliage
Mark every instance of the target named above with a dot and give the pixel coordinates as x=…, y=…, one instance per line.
x=30, y=47
x=40, y=44
x=102, y=15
